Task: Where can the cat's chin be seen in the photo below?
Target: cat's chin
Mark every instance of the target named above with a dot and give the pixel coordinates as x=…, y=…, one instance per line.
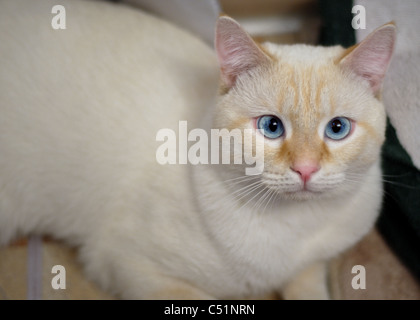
x=302, y=195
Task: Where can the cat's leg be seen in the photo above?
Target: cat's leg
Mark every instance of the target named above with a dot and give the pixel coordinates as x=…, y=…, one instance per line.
x=152, y=286
x=129, y=275
x=174, y=289
x=160, y=287
x=311, y=284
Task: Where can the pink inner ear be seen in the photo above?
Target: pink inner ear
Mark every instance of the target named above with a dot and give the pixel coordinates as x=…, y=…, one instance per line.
x=372, y=68
x=236, y=51
x=370, y=59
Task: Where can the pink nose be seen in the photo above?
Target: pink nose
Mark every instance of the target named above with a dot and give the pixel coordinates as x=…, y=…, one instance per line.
x=305, y=170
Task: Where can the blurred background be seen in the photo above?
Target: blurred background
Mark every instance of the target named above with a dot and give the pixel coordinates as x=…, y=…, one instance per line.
x=286, y=21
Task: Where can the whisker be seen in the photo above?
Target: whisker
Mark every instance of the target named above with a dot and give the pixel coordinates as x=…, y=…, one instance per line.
x=270, y=196
x=245, y=187
x=241, y=178
x=261, y=200
x=238, y=198
x=396, y=183
x=241, y=195
x=235, y=183
x=384, y=192
x=231, y=199
x=253, y=196
x=275, y=198
x=383, y=175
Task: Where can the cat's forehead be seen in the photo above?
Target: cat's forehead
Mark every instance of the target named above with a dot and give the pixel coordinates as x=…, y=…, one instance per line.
x=304, y=84
x=303, y=54
x=305, y=80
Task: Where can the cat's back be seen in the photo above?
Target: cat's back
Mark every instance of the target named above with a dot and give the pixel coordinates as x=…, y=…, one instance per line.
x=80, y=107
x=110, y=56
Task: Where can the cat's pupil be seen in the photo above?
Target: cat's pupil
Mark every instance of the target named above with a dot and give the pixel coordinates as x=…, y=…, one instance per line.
x=273, y=125
x=336, y=126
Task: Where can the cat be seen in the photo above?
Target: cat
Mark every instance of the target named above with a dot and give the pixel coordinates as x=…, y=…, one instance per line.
x=80, y=109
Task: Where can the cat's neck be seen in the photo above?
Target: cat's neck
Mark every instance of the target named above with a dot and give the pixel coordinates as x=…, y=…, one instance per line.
x=286, y=233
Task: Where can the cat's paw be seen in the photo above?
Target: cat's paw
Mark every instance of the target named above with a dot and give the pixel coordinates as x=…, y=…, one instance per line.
x=311, y=284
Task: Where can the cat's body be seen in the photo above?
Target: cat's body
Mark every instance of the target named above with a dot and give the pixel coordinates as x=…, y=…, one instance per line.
x=80, y=109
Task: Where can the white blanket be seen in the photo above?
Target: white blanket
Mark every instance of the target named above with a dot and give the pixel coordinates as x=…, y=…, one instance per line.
x=401, y=92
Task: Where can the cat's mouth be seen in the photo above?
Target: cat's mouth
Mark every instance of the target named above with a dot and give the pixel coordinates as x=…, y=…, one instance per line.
x=292, y=186
x=296, y=191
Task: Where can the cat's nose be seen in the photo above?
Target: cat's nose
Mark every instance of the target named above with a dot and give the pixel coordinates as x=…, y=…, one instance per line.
x=306, y=170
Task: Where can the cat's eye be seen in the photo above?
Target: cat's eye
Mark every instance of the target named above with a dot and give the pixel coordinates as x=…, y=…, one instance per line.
x=272, y=126
x=338, y=128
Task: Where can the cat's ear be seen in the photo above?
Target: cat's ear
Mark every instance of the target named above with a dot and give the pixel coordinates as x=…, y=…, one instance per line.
x=236, y=50
x=370, y=58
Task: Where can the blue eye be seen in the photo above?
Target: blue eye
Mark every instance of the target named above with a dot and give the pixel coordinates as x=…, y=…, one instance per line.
x=272, y=126
x=338, y=128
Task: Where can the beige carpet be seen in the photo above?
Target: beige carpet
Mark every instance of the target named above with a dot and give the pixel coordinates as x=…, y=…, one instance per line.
x=386, y=278
x=13, y=273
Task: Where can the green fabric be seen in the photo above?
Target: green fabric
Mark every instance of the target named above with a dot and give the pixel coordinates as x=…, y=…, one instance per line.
x=399, y=221
x=336, y=26
x=400, y=217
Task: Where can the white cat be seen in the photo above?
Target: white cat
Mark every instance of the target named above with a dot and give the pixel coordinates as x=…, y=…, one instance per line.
x=79, y=113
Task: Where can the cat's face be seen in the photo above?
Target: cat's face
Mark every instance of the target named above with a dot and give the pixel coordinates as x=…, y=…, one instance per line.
x=323, y=126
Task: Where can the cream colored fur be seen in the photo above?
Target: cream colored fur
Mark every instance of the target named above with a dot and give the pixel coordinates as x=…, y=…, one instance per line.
x=79, y=113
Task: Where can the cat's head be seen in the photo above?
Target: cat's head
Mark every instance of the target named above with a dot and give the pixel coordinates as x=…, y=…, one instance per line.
x=319, y=107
